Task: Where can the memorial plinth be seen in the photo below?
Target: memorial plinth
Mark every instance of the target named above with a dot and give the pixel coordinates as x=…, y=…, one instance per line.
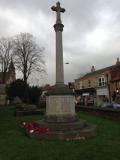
x=60, y=105
x=61, y=118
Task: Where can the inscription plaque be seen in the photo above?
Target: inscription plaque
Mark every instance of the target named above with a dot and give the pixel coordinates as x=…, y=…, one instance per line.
x=57, y=105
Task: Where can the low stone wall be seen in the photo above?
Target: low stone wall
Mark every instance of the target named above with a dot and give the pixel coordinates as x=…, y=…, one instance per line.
x=28, y=112
x=113, y=114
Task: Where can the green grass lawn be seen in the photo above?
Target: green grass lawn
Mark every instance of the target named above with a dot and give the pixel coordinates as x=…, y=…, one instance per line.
x=14, y=145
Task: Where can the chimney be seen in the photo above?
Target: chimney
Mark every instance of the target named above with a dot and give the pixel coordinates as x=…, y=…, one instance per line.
x=93, y=69
x=118, y=61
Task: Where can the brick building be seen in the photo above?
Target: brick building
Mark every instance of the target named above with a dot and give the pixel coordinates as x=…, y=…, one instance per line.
x=99, y=86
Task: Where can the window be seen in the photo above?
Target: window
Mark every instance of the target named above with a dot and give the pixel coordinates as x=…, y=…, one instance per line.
x=101, y=81
x=89, y=83
x=80, y=85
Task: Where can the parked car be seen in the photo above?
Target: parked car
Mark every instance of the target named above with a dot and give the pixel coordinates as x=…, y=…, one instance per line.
x=112, y=105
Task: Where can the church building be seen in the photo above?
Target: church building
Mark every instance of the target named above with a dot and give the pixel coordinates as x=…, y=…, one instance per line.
x=10, y=76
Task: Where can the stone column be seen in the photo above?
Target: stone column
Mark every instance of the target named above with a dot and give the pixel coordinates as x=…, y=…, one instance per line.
x=59, y=54
x=59, y=49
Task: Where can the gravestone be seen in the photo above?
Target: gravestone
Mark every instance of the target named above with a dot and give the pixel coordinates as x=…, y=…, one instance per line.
x=2, y=94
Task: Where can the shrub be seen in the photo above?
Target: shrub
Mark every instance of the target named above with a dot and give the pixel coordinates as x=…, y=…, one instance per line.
x=22, y=90
x=16, y=89
x=34, y=94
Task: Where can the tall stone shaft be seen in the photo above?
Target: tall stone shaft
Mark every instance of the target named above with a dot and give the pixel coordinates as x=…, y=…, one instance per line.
x=59, y=55
x=59, y=48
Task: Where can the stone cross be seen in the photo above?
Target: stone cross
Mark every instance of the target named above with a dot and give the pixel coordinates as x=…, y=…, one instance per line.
x=58, y=9
x=59, y=48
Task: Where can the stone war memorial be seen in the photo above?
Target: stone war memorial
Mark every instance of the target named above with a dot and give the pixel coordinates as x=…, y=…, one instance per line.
x=61, y=119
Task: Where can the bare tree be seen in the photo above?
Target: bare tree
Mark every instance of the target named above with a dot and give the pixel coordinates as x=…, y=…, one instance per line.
x=28, y=55
x=5, y=56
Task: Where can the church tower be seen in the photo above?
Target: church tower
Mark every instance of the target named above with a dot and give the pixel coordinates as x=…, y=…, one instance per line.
x=11, y=72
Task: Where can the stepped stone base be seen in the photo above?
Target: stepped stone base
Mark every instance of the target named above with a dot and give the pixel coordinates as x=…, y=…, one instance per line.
x=77, y=130
x=61, y=118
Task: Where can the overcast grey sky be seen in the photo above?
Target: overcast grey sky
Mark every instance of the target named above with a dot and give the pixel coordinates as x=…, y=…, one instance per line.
x=91, y=33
